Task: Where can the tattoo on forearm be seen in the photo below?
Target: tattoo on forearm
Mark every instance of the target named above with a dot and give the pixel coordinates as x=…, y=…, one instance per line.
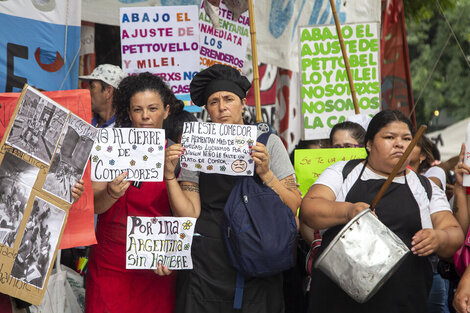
x=290, y=183
x=193, y=188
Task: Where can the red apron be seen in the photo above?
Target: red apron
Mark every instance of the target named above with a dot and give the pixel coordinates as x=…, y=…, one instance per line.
x=109, y=286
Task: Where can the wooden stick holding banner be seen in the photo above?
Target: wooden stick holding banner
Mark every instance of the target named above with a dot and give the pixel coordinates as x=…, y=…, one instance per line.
x=254, y=54
x=398, y=166
x=345, y=55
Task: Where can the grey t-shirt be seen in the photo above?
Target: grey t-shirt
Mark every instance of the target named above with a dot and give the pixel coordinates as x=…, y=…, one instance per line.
x=279, y=161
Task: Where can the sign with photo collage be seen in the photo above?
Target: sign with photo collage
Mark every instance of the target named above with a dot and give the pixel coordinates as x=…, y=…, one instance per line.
x=43, y=153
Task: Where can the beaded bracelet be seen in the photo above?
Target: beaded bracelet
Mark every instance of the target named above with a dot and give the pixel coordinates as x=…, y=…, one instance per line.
x=107, y=191
x=268, y=182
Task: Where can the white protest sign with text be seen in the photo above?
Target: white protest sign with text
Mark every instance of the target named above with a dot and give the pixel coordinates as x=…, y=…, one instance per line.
x=325, y=92
x=151, y=240
x=163, y=40
x=218, y=148
x=226, y=44
x=138, y=151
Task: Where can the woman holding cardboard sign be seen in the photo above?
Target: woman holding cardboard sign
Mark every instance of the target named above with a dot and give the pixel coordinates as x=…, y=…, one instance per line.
x=141, y=101
x=416, y=210
x=211, y=285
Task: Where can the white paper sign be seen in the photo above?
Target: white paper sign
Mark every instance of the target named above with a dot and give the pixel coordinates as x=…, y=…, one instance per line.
x=139, y=151
x=325, y=92
x=227, y=43
x=151, y=240
x=163, y=40
x=218, y=148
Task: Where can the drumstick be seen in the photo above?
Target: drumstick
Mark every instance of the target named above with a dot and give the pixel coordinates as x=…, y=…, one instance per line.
x=398, y=166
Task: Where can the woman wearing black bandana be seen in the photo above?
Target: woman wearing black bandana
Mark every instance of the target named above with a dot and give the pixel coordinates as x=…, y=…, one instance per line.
x=210, y=286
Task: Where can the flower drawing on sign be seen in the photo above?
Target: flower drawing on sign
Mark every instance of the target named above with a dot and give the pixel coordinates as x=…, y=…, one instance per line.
x=248, y=172
x=187, y=225
x=110, y=148
x=145, y=158
x=132, y=162
x=182, y=235
x=250, y=143
x=198, y=166
x=112, y=162
x=150, y=149
x=98, y=148
x=210, y=167
x=250, y=161
x=223, y=168
x=134, y=147
x=186, y=246
x=158, y=165
x=184, y=164
x=154, y=220
x=95, y=158
x=160, y=148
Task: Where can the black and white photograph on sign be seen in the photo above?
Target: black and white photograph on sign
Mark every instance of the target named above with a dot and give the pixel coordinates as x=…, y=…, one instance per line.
x=71, y=158
x=37, y=126
x=38, y=244
x=17, y=178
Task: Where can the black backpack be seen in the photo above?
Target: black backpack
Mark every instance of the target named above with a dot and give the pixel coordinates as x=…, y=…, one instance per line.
x=259, y=230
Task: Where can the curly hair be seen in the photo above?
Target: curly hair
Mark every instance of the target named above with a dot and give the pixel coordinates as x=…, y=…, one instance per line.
x=133, y=84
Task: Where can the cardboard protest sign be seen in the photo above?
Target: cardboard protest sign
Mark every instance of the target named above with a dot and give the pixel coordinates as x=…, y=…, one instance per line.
x=159, y=239
x=310, y=163
x=79, y=230
x=32, y=220
x=138, y=151
x=218, y=148
x=163, y=40
x=227, y=43
x=325, y=91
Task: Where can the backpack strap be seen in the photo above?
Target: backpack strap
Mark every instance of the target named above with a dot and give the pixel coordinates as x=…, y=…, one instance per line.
x=240, y=282
x=263, y=138
x=426, y=184
x=239, y=286
x=349, y=167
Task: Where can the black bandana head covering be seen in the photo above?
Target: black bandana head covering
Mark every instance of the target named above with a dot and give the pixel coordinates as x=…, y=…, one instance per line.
x=216, y=78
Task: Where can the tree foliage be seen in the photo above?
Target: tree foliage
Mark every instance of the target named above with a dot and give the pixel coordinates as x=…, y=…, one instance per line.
x=448, y=88
x=419, y=10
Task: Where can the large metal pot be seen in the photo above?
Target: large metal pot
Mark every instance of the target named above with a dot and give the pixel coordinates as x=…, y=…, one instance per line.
x=362, y=256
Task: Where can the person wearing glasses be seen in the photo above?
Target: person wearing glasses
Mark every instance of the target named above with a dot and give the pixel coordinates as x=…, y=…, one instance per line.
x=347, y=135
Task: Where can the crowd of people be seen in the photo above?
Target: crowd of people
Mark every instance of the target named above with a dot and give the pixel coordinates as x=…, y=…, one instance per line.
x=414, y=208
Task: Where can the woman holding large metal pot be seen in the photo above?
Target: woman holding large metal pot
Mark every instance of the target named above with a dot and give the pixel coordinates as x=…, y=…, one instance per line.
x=424, y=222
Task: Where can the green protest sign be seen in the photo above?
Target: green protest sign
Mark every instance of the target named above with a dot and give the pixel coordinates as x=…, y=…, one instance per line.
x=325, y=91
x=310, y=163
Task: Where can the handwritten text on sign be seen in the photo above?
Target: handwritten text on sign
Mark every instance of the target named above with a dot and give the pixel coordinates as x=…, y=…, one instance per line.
x=140, y=152
x=218, y=148
x=225, y=44
x=310, y=163
x=325, y=92
x=151, y=240
x=163, y=40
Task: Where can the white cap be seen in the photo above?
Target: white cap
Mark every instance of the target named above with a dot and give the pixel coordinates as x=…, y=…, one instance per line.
x=108, y=73
x=361, y=119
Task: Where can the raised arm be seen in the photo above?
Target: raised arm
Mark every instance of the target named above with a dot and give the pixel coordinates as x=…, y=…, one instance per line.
x=183, y=196
x=460, y=201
